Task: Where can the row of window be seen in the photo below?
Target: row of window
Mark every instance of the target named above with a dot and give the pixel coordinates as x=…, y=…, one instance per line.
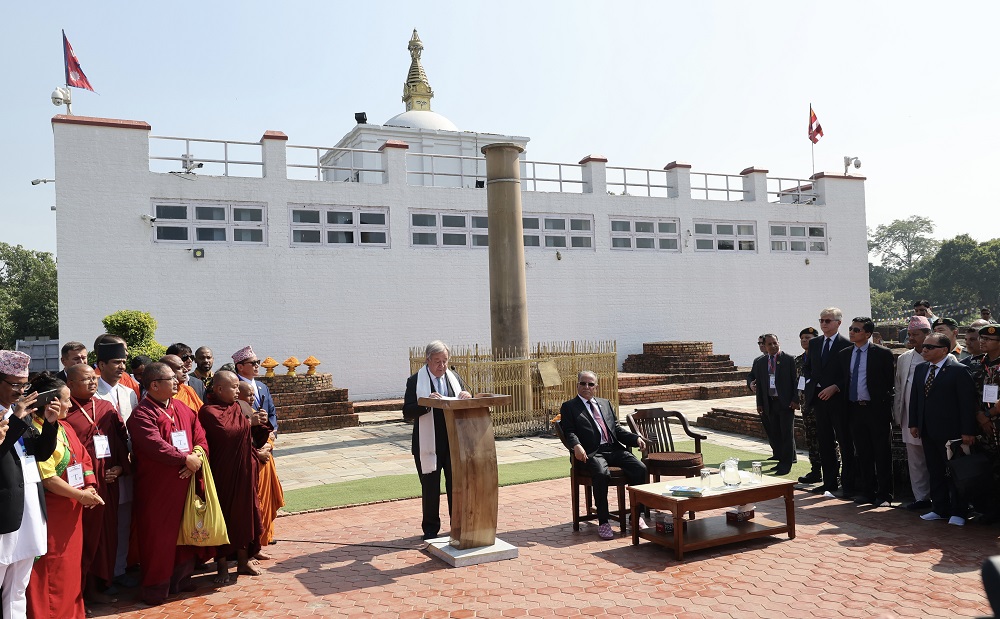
x=245, y=223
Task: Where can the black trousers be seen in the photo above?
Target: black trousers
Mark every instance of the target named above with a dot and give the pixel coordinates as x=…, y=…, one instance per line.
x=771, y=432
x=430, y=494
x=871, y=428
x=833, y=429
x=782, y=436
x=946, y=499
x=598, y=463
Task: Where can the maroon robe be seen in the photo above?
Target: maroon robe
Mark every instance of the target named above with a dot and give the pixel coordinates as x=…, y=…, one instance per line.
x=160, y=494
x=100, y=523
x=232, y=441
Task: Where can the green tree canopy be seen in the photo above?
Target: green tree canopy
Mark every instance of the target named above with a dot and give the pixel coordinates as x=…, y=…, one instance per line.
x=900, y=244
x=138, y=330
x=29, y=298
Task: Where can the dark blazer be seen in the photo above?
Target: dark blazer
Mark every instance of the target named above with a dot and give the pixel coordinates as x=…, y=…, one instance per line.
x=880, y=373
x=267, y=403
x=11, y=476
x=579, y=427
x=786, y=381
x=949, y=410
x=750, y=377
x=821, y=373
x=412, y=410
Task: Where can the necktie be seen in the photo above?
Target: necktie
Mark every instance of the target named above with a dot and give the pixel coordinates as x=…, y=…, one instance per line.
x=771, y=371
x=599, y=419
x=853, y=395
x=930, y=380
x=826, y=349
x=441, y=388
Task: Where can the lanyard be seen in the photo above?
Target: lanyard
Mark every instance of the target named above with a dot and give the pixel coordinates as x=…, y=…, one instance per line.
x=64, y=439
x=93, y=409
x=169, y=410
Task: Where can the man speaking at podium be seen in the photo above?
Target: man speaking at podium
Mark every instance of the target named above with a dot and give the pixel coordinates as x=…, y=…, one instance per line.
x=430, y=434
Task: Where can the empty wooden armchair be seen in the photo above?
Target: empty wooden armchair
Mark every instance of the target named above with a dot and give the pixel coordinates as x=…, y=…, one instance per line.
x=653, y=425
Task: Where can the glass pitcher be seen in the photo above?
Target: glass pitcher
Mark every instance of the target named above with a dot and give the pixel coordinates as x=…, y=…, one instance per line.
x=730, y=472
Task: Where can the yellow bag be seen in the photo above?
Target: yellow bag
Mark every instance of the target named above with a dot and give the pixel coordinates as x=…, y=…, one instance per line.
x=203, y=523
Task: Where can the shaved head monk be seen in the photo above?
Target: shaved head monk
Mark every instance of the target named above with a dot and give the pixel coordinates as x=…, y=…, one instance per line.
x=185, y=392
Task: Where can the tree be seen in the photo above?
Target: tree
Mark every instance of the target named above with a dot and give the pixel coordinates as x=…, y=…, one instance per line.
x=903, y=242
x=964, y=271
x=138, y=330
x=29, y=298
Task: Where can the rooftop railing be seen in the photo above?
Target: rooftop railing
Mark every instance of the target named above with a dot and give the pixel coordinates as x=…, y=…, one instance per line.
x=334, y=164
x=446, y=170
x=790, y=191
x=637, y=181
x=726, y=187
x=548, y=176
x=209, y=157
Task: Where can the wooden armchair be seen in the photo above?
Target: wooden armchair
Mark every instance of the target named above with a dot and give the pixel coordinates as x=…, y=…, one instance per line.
x=579, y=475
x=653, y=425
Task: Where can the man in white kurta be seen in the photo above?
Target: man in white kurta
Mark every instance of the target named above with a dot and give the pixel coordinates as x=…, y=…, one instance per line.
x=920, y=479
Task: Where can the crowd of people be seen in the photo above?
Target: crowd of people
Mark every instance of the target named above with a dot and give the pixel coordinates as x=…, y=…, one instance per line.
x=96, y=464
x=853, y=391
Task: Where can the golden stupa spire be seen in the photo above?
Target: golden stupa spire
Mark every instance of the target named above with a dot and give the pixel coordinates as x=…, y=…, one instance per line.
x=417, y=91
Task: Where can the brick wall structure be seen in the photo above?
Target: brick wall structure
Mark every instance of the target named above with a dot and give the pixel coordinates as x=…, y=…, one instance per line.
x=306, y=403
x=674, y=370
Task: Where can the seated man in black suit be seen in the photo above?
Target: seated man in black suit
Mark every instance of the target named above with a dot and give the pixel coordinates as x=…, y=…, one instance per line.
x=867, y=376
x=777, y=400
x=942, y=409
x=592, y=432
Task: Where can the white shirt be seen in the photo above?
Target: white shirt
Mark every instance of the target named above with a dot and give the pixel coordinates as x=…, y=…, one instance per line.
x=30, y=540
x=121, y=397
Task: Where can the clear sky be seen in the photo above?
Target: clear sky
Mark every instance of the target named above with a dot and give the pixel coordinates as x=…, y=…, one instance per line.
x=908, y=88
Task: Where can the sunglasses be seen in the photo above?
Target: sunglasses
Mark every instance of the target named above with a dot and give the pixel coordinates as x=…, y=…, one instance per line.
x=583, y=384
x=187, y=358
x=827, y=320
x=855, y=330
x=933, y=346
x=256, y=364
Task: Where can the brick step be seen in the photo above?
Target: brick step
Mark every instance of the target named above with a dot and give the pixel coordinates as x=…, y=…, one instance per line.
x=682, y=357
x=747, y=423
x=672, y=393
x=677, y=348
x=310, y=424
x=320, y=396
x=371, y=406
x=304, y=411
x=694, y=377
x=673, y=367
x=282, y=383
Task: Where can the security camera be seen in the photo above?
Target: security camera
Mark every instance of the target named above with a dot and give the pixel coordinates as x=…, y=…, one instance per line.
x=148, y=218
x=61, y=96
x=857, y=163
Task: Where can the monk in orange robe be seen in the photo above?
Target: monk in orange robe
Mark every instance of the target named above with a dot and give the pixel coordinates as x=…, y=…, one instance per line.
x=164, y=434
x=185, y=392
x=269, y=491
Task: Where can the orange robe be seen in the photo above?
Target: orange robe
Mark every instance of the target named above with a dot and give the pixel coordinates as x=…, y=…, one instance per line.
x=131, y=383
x=272, y=497
x=187, y=395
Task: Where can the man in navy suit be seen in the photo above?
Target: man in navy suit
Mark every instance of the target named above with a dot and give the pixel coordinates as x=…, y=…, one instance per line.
x=942, y=409
x=823, y=394
x=246, y=363
x=593, y=434
x=867, y=374
x=777, y=399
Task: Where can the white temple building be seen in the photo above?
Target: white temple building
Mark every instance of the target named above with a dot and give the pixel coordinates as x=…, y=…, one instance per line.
x=355, y=252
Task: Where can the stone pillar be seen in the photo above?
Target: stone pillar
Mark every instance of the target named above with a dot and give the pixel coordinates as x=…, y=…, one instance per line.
x=595, y=174
x=754, y=184
x=679, y=179
x=394, y=161
x=508, y=290
x=275, y=158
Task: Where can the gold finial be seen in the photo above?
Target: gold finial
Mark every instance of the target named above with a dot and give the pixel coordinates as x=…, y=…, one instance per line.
x=269, y=365
x=312, y=362
x=417, y=91
x=291, y=363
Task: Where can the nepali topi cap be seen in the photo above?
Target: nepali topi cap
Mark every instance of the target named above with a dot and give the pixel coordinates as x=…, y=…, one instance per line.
x=918, y=322
x=111, y=350
x=14, y=363
x=243, y=354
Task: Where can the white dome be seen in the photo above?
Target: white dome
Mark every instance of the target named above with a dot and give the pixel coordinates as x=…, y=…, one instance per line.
x=417, y=119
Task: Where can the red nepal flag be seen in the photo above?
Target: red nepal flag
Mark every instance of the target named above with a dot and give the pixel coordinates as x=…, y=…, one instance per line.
x=815, y=129
x=74, y=74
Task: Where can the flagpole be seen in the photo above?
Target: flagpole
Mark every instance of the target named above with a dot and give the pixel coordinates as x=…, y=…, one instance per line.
x=69, y=109
x=813, y=148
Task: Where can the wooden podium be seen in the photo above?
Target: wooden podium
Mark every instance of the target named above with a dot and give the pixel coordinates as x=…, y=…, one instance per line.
x=474, y=480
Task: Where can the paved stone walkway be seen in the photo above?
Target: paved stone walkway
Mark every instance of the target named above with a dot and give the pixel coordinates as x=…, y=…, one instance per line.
x=329, y=456
x=366, y=562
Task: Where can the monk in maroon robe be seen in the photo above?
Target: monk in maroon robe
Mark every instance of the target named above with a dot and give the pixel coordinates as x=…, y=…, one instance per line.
x=233, y=440
x=164, y=434
x=102, y=432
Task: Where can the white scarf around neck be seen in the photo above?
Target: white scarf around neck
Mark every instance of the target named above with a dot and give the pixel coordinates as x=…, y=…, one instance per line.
x=425, y=423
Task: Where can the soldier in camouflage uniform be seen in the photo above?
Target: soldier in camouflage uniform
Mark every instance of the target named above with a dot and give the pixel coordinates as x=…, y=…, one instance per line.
x=815, y=474
x=986, y=372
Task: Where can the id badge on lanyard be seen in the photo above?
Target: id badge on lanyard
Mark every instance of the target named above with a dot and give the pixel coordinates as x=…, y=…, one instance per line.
x=28, y=465
x=102, y=448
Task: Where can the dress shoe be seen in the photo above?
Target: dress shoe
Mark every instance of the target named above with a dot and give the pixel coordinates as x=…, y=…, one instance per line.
x=812, y=477
x=883, y=501
x=864, y=500
x=781, y=470
x=958, y=521
x=773, y=457
x=823, y=489
x=916, y=505
x=934, y=516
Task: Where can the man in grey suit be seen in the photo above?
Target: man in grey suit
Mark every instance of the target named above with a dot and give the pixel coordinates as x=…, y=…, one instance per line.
x=906, y=366
x=777, y=400
x=942, y=409
x=593, y=434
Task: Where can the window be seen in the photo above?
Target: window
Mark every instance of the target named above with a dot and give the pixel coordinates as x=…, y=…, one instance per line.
x=339, y=225
x=209, y=222
x=451, y=229
x=558, y=231
x=644, y=233
x=725, y=236
x=798, y=237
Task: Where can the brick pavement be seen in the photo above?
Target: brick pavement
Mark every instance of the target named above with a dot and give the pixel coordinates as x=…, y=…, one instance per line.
x=366, y=562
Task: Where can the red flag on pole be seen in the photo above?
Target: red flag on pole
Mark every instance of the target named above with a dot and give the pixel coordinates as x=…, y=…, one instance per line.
x=74, y=74
x=815, y=129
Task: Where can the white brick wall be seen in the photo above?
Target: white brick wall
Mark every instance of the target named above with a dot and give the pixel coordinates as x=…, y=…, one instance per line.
x=359, y=309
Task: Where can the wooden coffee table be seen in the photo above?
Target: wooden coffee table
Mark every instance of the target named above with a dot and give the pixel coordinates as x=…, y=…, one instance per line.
x=713, y=530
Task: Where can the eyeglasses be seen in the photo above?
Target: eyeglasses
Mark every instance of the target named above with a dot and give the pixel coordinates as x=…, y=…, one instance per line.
x=933, y=346
x=827, y=320
x=187, y=358
x=855, y=330
x=255, y=363
x=156, y=380
x=584, y=384
x=990, y=339
x=17, y=386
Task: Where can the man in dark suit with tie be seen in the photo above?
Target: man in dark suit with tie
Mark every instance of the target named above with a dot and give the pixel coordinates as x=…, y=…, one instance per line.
x=823, y=394
x=777, y=399
x=867, y=374
x=430, y=449
x=592, y=433
x=942, y=409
